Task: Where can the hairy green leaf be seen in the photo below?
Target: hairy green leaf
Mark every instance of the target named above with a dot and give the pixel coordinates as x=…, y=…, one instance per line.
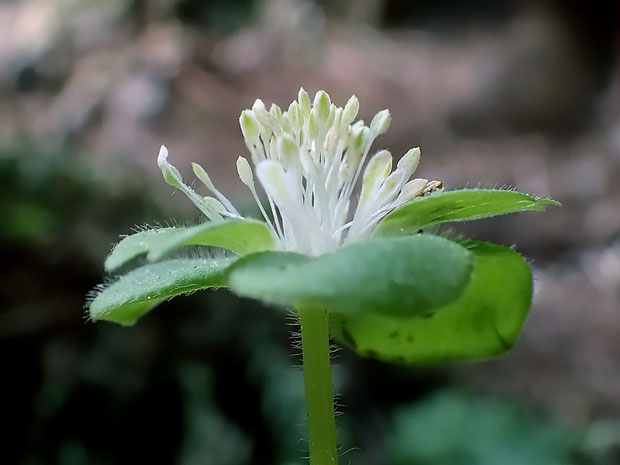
x=458, y=205
x=135, y=293
x=485, y=321
x=137, y=244
x=403, y=276
x=240, y=236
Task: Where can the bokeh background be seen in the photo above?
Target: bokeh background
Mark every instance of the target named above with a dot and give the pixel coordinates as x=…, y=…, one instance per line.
x=496, y=92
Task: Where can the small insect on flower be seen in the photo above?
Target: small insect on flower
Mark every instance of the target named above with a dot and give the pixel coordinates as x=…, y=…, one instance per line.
x=430, y=187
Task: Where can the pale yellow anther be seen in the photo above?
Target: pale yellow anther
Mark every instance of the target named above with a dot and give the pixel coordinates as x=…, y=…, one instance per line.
x=381, y=122
x=378, y=169
x=250, y=127
x=304, y=102
x=245, y=172
x=410, y=160
x=350, y=110
x=201, y=174
x=322, y=105
x=287, y=149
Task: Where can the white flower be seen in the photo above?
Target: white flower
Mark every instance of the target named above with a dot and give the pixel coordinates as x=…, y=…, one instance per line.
x=308, y=161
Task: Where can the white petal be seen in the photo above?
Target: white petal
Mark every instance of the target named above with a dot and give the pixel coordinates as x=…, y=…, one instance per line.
x=288, y=150
x=276, y=112
x=201, y=174
x=322, y=105
x=162, y=157
x=258, y=105
x=410, y=160
x=377, y=170
x=245, y=172
x=350, y=110
x=250, y=127
x=411, y=190
x=304, y=102
x=280, y=186
x=215, y=205
x=381, y=122
x=173, y=177
x=391, y=187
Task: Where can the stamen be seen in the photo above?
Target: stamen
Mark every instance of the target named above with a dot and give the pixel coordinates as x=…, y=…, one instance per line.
x=280, y=186
x=308, y=160
x=245, y=174
x=376, y=172
x=218, y=207
x=173, y=177
x=276, y=218
x=201, y=174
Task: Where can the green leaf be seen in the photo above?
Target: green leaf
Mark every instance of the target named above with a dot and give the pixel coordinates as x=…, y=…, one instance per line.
x=402, y=276
x=135, y=293
x=485, y=321
x=458, y=205
x=242, y=237
x=137, y=244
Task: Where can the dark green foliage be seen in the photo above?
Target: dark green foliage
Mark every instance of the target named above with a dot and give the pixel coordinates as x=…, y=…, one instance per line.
x=456, y=429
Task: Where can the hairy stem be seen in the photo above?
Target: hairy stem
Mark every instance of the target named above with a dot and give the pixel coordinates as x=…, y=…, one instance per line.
x=318, y=385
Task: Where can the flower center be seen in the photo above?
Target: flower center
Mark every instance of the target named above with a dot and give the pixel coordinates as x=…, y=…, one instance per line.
x=308, y=160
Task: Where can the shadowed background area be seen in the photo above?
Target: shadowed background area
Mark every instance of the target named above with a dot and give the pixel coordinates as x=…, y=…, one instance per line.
x=496, y=93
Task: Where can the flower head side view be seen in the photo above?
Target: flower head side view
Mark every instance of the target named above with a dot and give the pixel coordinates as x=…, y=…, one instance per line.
x=308, y=160
x=360, y=272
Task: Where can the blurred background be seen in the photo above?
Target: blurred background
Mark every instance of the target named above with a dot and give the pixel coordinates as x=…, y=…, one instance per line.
x=496, y=92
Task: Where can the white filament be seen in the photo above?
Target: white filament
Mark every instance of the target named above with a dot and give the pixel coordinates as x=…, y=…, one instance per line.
x=308, y=160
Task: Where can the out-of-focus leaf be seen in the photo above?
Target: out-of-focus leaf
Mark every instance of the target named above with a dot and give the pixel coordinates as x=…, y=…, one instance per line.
x=458, y=205
x=457, y=429
x=135, y=293
x=484, y=321
x=398, y=276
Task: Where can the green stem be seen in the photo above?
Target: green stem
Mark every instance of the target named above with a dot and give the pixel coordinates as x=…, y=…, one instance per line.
x=318, y=384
